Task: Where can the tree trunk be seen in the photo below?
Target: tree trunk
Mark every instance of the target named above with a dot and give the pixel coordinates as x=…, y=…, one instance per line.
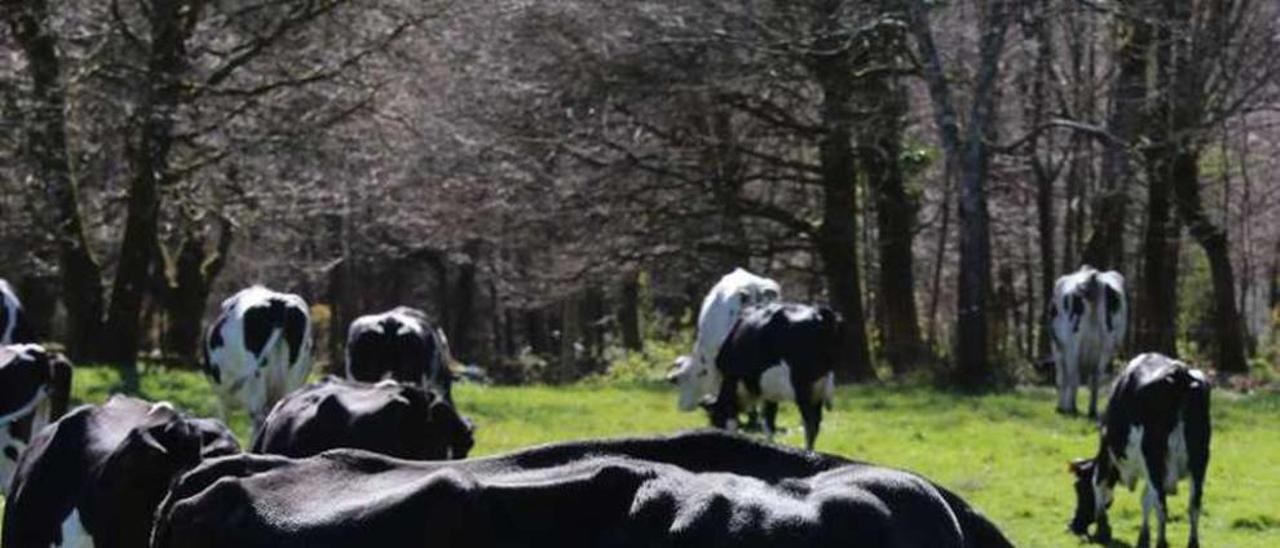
x=838, y=236
x=970, y=158
x=1158, y=293
x=1105, y=247
x=629, y=312
x=879, y=149
x=1042, y=167
x=1186, y=184
x=170, y=24
x=973, y=356
x=189, y=281
x=82, y=288
x=1187, y=112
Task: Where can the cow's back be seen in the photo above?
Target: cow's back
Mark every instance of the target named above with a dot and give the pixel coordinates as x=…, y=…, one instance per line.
x=616, y=493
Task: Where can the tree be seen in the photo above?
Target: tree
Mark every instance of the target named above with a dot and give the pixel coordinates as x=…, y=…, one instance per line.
x=970, y=156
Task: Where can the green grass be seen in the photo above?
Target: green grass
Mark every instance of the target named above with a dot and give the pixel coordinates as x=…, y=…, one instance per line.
x=1006, y=452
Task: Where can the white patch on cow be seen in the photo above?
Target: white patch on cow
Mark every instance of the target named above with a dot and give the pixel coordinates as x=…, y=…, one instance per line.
x=1132, y=465
x=775, y=383
x=73, y=533
x=824, y=389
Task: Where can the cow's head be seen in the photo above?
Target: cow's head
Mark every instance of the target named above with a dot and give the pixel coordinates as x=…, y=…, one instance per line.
x=693, y=379
x=1093, y=497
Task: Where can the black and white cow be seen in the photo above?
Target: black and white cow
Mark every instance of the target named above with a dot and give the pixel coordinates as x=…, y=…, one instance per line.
x=1156, y=428
x=13, y=324
x=392, y=418
x=96, y=476
x=695, y=375
x=258, y=350
x=774, y=353
x=709, y=489
x=35, y=385
x=399, y=344
x=1088, y=316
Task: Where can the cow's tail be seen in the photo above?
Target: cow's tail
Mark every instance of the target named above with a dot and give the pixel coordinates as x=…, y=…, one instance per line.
x=275, y=377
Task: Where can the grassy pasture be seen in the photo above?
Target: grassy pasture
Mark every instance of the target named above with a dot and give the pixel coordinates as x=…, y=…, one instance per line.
x=1004, y=452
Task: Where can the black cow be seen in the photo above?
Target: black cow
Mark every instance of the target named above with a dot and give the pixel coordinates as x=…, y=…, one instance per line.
x=399, y=344
x=95, y=477
x=395, y=419
x=1156, y=426
x=706, y=489
x=774, y=353
x=35, y=385
x=13, y=322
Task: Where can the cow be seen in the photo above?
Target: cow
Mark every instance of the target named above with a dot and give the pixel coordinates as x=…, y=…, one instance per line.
x=774, y=353
x=258, y=350
x=399, y=344
x=695, y=375
x=96, y=476
x=703, y=488
x=35, y=386
x=13, y=322
x=392, y=418
x=1087, y=317
x=1156, y=428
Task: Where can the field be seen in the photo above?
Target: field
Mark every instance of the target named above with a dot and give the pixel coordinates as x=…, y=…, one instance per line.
x=1006, y=452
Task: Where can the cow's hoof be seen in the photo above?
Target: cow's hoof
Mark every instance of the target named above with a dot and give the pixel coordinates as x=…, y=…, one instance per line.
x=1068, y=412
x=1162, y=544
x=1102, y=535
x=1144, y=540
x=1194, y=543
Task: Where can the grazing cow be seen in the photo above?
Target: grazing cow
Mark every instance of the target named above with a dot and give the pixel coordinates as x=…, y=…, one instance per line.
x=1156, y=428
x=696, y=375
x=774, y=353
x=95, y=477
x=696, y=489
x=1087, y=317
x=35, y=385
x=258, y=350
x=13, y=324
x=395, y=419
x=399, y=344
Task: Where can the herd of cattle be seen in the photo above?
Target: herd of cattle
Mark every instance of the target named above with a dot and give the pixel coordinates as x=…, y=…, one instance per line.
x=369, y=458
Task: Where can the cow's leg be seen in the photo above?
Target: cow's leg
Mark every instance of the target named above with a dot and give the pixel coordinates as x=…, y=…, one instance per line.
x=770, y=412
x=724, y=412
x=1196, y=429
x=1148, y=502
x=1060, y=381
x=1096, y=380
x=1193, y=513
x=1154, y=448
x=811, y=412
x=1068, y=379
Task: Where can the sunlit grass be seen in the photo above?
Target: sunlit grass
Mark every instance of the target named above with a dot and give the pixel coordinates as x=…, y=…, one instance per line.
x=1005, y=452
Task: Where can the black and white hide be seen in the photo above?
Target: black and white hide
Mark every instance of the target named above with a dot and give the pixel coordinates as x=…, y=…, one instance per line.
x=258, y=350
x=1088, y=316
x=1156, y=428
